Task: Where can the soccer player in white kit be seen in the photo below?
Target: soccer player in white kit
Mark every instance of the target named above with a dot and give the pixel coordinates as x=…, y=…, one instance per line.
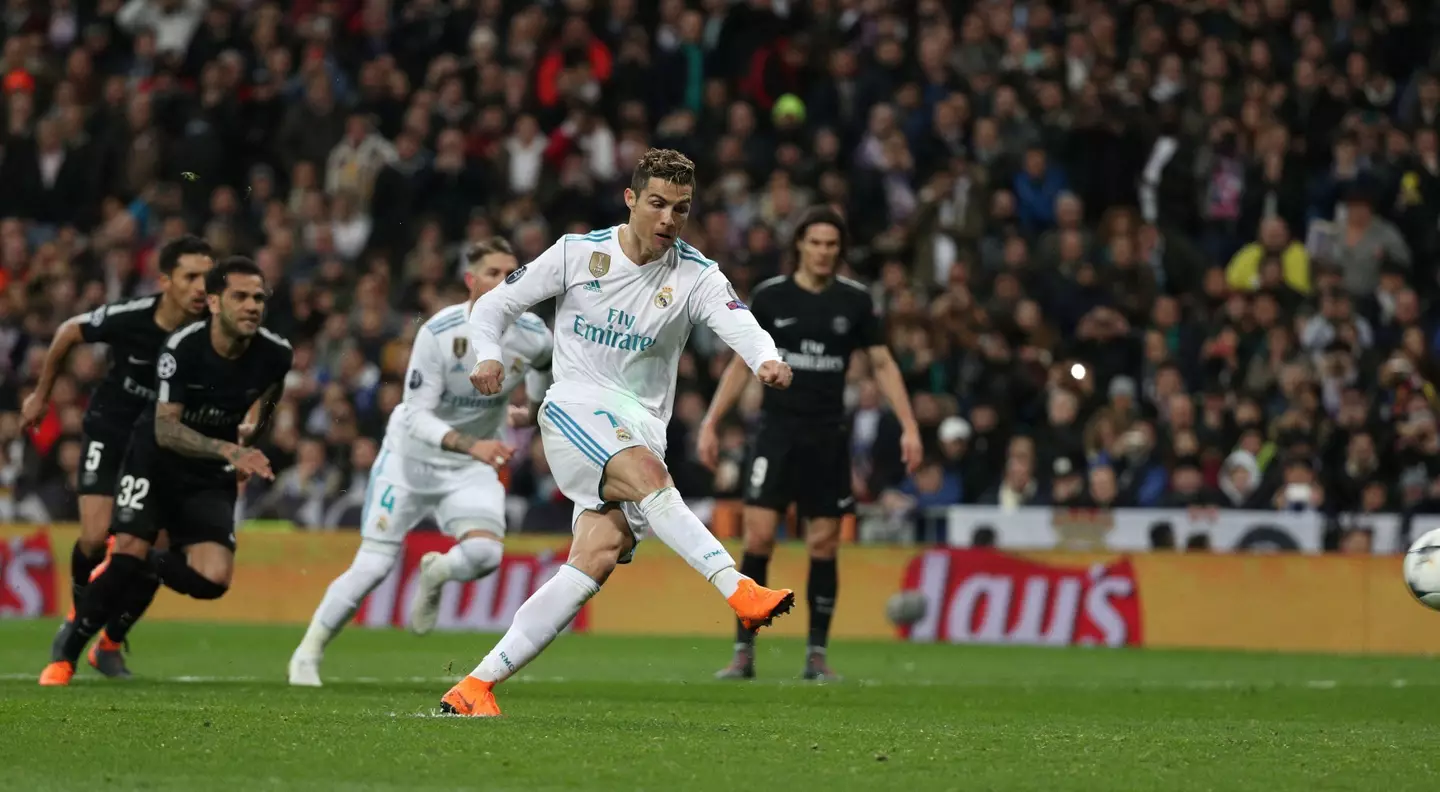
x=439, y=457
x=627, y=298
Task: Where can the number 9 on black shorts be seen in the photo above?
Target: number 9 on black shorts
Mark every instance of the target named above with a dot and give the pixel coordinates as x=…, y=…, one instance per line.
x=807, y=466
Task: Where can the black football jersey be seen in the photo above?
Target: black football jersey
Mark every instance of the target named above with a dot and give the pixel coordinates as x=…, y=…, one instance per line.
x=815, y=333
x=129, y=329
x=216, y=393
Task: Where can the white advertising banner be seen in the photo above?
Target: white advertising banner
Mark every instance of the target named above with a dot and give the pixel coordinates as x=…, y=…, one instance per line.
x=1131, y=530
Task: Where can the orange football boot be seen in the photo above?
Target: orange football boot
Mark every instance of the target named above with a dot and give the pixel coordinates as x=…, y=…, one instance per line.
x=757, y=606
x=472, y=698
x=57, y=674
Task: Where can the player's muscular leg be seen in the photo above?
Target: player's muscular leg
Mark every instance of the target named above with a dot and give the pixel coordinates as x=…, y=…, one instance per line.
x=203, y=571
x=822, y=537
x=758, y=525
x=213, y=561
x=130, y=545
x=602, y=538
x=633, y=475
x=94, y=523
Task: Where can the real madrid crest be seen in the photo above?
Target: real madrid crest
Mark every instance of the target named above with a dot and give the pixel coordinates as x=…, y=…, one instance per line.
x=622, y=435
x=841, y=325
x=460, y=345
x=599, y=264
x=665, y=297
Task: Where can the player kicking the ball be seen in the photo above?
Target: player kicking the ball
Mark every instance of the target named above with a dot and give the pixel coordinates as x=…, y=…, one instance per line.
x=438, y=458
x=626, y=300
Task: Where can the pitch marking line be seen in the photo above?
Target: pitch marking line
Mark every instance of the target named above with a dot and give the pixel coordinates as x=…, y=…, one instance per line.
x=1192, y=684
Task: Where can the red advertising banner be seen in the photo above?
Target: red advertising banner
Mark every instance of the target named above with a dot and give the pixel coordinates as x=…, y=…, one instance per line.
x=27, y=577
x=982, y=596
x=486, y=605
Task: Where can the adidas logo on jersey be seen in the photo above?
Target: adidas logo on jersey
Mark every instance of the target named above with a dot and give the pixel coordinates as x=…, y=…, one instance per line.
x=593, y=286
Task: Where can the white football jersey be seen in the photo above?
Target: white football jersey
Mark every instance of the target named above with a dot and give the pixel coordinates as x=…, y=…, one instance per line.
x=620, y=327
x=438, y=393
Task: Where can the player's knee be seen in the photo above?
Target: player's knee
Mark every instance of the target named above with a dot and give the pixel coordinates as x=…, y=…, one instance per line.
x=760, y=542
x=127, y=544
x=207, y=589
x=633, y=474
x=758, y=528
x=374, y=560
x=822, y=542
x=91, y=545
x=480, y=554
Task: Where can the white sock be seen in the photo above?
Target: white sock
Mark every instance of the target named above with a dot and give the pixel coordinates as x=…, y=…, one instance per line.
x=678, y=527
x=536, y=624
x=472, y=559
x=345, y=594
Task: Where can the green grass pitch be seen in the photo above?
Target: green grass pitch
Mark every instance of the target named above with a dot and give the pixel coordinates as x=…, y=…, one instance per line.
x=213, y=711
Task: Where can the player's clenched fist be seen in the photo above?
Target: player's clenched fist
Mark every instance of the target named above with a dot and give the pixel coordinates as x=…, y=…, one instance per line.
x=774, y=374
x=487, y=377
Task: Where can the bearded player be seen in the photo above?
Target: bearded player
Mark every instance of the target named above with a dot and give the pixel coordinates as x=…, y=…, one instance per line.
x=439, y=458
x=134, y=330
x=627, y=298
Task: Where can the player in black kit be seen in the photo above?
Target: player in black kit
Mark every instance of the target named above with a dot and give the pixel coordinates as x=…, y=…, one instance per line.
x=133, y=330
x=180, y=471
x=801, y=453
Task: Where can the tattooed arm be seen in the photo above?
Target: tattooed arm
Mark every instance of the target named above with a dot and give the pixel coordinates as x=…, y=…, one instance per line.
x=172, y=434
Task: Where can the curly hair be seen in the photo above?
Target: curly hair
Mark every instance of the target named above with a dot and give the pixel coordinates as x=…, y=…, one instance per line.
x=667, y=165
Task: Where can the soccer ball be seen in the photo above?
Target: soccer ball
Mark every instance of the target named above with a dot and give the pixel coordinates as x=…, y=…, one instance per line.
x=907, y=607
x=1422, y=569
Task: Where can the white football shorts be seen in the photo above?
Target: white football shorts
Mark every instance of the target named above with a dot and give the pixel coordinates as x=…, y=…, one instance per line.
x=403, y=491
x=581, y=437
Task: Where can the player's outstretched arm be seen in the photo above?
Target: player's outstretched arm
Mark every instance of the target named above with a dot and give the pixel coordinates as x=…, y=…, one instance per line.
x=66, y=338
x=732, y=384
x=716, y=306
x=171, y=433
x=498, y=308
x=890, y=382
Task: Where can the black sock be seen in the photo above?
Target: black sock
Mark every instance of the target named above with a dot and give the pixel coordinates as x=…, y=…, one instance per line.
x=821, y=591
x=756, y=567
x=176, y=573
x=137, y=600
x=81, y=565
x=101, y=600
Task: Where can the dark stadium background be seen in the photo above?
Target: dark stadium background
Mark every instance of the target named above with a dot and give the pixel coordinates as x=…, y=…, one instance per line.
x=1222, y=215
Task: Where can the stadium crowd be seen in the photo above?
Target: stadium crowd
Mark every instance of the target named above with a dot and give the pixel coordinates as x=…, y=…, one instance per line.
x=1170, y=253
